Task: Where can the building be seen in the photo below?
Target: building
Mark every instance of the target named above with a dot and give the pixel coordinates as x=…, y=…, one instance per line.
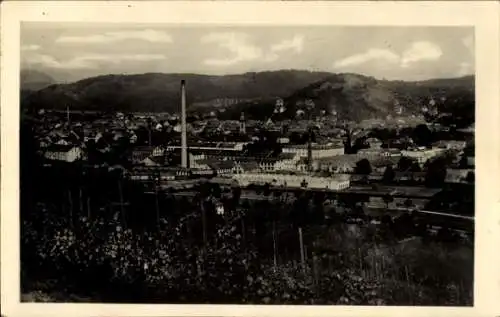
x=378, y=152
x=219, y=167
x=66, y=153
x=140, y=153
x=287, y=180
x=374, y=143
x=471, y=161
x=380, y=164
x=317, y=150
x=148, y=174
x=451, y=144
x=246, y=167
x=422, y=155
x=457, y=175
x=337, y=164
x=211, y=146
x=283, y=140
x=286, y=162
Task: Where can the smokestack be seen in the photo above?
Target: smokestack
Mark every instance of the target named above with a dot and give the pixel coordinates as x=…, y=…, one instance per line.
x=184, y=158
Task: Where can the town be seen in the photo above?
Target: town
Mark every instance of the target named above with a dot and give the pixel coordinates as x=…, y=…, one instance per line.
x=405, y=176
x=186, y=180
x=409, y=168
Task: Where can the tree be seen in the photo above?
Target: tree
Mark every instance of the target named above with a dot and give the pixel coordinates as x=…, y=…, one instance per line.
x=463, y=162
x=236, y=195
x=389, y=175
x=387, y=200
x=267, y=189
x=296, y=138
x=303, y=184
x=359, y=144
x=422, y=135
x=415, y=167
x=405, y=163
x=408, y=203
x=470, y=178
x=216, y=190
x=436, y=173
x=363, y=167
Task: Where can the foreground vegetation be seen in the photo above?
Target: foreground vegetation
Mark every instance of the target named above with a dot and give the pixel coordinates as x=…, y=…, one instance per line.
x=242, y=257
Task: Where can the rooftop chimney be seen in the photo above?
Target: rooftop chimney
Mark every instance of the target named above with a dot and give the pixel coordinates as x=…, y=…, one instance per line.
x=184, y=158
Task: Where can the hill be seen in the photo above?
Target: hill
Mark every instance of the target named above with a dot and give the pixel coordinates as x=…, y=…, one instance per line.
x=358, y=97
x=352, y=96
x=32, y=80
x=160, y=92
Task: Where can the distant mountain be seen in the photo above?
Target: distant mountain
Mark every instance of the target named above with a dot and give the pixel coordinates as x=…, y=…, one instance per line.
x=352, y=96
x=32, y=80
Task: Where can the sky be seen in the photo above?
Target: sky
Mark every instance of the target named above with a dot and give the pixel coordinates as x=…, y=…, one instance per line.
x=72, y=51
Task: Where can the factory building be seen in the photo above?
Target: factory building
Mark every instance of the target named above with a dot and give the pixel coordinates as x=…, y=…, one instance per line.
x=317, y=150
x=339, y=182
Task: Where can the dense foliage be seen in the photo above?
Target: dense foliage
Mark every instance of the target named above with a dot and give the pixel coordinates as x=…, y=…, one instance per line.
x=103, y=260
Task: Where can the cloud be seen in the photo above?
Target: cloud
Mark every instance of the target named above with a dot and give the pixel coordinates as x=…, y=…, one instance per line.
x=372, y=54
x=89, y=61
x=236, y=43
x=49, y=61
x=418, y=51
x=153, y=36
x=30, y=48
x=469, y=43
x=421, y=51
x=465, y=68
x=242, y=50
x=295, y=44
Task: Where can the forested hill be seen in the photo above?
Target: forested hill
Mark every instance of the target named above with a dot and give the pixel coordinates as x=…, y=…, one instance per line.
x=351, y=95
x=359, y=97
x=160, y=92
x=35, y=80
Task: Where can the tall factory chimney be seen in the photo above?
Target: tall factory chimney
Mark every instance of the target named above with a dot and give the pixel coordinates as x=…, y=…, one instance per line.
x=184, y=157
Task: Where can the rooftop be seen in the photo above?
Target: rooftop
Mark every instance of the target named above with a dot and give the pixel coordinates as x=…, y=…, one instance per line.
x=62, y=148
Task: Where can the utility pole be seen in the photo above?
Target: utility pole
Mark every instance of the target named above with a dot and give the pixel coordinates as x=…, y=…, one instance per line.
x=122, y=210
x=67, y=116
x=70, y=200
x=310, y=106
x=302, y=254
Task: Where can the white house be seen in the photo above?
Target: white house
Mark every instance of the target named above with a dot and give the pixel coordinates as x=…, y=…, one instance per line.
x=66, y=153
x=374, y=143
x=422, y=155
x=451, y=144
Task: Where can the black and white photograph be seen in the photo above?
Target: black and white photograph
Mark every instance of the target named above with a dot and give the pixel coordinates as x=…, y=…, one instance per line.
x=202, y=163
